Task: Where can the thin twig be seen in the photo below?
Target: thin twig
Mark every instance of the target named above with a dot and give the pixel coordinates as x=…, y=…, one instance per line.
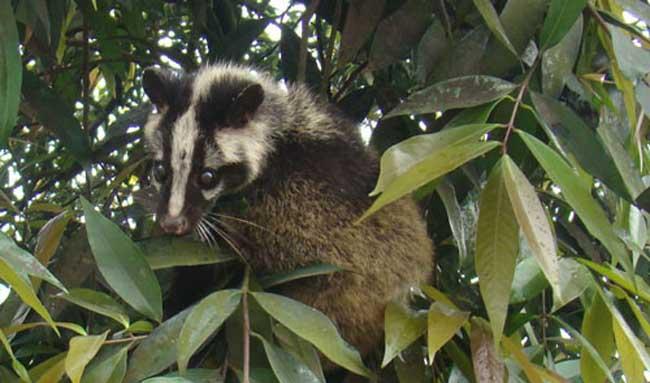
x=349, y=81
x=446, y=17
x=125, y=340
x=637, y=136
x=329, y=55
x=520, y=96
x=302, y=58
x=85, y=78
x=247, y=327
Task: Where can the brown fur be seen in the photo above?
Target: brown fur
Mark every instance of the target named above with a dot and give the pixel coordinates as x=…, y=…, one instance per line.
x=310, y=182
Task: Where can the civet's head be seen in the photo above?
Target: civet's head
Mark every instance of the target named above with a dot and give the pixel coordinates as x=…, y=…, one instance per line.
x=206, y=138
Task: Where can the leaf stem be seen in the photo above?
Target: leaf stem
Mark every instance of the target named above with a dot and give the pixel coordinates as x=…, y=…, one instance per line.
x=520, y=96
x=247, y=327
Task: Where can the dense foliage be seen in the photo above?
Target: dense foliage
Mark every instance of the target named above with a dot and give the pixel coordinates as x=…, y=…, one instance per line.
x=521, y=126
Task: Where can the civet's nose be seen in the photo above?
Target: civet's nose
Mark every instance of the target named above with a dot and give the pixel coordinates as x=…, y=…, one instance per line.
x=174, y=225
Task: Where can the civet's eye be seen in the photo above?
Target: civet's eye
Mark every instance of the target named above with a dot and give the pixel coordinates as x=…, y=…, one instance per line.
x=159, y=172
x=208, y=178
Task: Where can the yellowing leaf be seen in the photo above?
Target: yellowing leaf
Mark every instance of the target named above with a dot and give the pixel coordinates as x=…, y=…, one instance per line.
x=81, y=352
x=533, y=221
x=632, y=364
x=428, y=169
x=519, y=355
x=24, y=289
x=402, y=327
x=442, y=323
x=497, y=245
x=399, y=158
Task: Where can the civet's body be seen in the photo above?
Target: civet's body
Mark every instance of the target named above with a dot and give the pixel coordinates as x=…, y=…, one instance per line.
x=305, y=175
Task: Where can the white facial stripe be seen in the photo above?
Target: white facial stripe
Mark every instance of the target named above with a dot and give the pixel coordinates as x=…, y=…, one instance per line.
x=184, y=135
x=249, y=144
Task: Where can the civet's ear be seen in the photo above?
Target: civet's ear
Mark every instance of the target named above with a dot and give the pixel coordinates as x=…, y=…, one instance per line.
x=245, y=105
x=157, y=84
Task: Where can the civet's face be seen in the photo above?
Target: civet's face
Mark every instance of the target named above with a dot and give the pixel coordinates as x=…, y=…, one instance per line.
x=204, y=139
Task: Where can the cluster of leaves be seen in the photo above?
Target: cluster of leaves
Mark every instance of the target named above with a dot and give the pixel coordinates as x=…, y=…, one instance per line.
x=519, y=125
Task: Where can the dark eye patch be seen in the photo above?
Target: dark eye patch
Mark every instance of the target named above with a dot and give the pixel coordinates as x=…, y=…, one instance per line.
x=234, y=175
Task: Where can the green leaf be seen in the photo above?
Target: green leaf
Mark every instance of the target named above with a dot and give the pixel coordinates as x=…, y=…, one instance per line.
x=56, y=115
x=637, y=286
x=287, y=368
x=472, y=116
x=460, y=92
x=198, y=375
x=528, y=281
x=609, y=132
x=51, y=370
x=497, y=245
x=578, y=195
x=626, y=337
x=521, y=20
x=314, y=327
x=166, y=252
x=11, y=72
x=587, y=347
x=82, y=350
x=632, y=364
x=204, y=319
x=491, y=18
x=158, y=351
x=561, y=16
x=300, y=349
x=49, y=237
x=576, y=140
x=431, y=49
x=574, y=280
x=443, y=322
x=162, y=379
x=515, y=349
x=402, y=327
x=428, y=169
x=98, y=302
x=533, y=222
x=638, y=314
x=108, y=367
x=122, y=264
x=488, y=366
x=25, y=291
x=447, y=193
x=304, y=272
x=596, y=328
x=18, y=368
x=558, y=62
x=399, y=158
x=634, y=61
x=20, y=259
x=399, y=32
